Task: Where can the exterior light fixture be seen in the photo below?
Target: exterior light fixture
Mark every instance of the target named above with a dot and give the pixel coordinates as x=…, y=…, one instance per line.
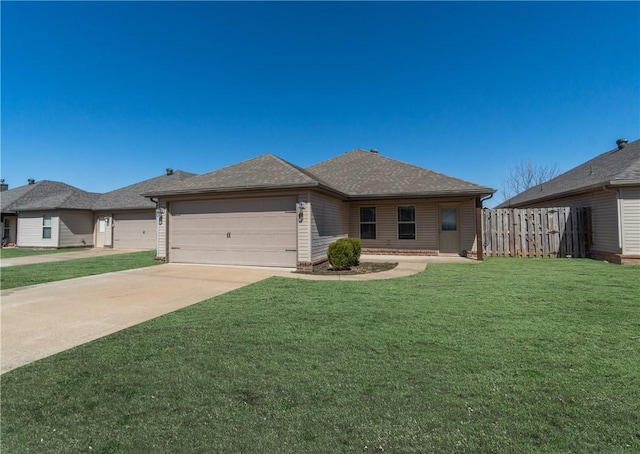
x=159, y=214
x=300, y=206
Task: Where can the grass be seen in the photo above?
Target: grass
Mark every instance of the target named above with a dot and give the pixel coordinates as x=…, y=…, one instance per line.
x=511, y=355
x=40, y=273
x=10, y=253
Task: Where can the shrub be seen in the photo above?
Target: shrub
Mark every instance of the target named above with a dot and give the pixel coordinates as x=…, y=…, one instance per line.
x=357, y=249
x=344, y=253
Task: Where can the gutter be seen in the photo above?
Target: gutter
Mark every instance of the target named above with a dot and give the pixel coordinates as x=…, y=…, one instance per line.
x=486, y=198
x=422, y=195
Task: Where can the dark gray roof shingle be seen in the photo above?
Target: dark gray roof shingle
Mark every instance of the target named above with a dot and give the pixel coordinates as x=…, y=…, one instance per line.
x=264, y=172
x=47, y=195
x=131, y=198
x=614, y=167
x=361, y=173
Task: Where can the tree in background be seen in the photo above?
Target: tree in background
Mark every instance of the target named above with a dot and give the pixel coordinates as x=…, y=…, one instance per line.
x=526, y=175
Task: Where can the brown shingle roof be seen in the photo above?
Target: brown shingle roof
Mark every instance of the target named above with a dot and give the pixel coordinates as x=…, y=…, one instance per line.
x=264, y=172
x=131, y=198
x=615, y=167
x=47, y=195
x=363, y=174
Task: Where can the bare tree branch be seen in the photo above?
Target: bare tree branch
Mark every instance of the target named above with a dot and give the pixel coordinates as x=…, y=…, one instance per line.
x=526, y=175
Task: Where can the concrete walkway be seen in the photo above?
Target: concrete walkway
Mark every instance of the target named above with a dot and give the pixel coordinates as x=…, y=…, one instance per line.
x=407, y=265
x=42, y=320
x=60, y=256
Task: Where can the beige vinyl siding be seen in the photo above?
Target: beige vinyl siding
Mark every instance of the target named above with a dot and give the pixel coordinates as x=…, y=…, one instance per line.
x=30, y=229
x=467, y=217
x=604, y=217
x=387, y=224
x=329, y=220
x=161, y=248
x=630, y=205
x=304, y=229
x=108, y=233
x=76, y=228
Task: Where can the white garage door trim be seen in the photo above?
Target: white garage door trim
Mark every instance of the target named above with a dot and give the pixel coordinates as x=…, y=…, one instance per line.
x=258, y=231
x=134, y=230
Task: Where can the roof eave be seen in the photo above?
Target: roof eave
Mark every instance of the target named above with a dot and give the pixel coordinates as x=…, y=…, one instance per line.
x=232, y=189
x=630, y=182
x=571, y=192
x=50, y=208
x=124, y=208
x=406, y=195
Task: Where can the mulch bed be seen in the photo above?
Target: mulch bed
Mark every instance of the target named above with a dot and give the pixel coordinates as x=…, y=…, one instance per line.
x=362, y=268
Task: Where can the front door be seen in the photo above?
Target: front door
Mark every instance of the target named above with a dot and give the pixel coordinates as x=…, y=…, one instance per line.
x=102, y=229
x=449, y=231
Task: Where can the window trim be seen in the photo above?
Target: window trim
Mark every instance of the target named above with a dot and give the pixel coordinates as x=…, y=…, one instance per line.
x=413, y=222
x=374, y=222
x=46, y=229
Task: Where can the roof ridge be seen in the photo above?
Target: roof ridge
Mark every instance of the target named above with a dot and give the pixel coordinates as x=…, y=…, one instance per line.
x=299, y=169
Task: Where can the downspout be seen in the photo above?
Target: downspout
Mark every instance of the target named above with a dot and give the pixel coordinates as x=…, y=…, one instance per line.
x=479, y=231
x=485, y=198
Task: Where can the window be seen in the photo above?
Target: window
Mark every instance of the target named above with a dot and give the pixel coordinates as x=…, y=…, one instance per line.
x=368, y=223
x=46, y=226
x=448, y=219
x=7, y=229
x=406, y=223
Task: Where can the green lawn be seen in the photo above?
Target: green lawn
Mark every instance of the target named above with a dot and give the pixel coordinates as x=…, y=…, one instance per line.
x=506, y=356
x=21, y=275
x=10, y=253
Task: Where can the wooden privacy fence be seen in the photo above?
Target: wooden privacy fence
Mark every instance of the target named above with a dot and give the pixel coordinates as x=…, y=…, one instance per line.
x=536, y=232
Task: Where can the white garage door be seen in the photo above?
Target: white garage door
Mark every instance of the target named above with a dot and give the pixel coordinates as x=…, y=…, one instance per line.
x=134, y=230
x=234, y=232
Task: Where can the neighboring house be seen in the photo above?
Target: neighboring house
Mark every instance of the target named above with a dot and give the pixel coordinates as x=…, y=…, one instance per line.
x=47, y=214
x=53, y=215
x=126, y=219
x=609, y=185
x=269, y=212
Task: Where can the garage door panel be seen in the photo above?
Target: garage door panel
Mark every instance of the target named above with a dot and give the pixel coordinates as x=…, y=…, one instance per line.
x=134, y=230
x=235, y=232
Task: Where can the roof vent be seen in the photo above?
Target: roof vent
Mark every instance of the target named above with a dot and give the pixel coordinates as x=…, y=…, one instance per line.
x=621, y=143
x=31, y=181
x=169, y=171
x=374, y=150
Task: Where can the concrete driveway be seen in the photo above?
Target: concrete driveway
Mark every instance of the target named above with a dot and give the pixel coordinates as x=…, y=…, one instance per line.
x=41, y=320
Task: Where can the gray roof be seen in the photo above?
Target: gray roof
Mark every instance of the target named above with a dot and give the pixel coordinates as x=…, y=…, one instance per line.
x=131, y=198
x=356, y=174
x=264, y=172
x=613, y=168
x=46, y=195
x=364, y=174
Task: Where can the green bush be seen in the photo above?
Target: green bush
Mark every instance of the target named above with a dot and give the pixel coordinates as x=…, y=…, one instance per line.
x=357, y=249
x=344, y=253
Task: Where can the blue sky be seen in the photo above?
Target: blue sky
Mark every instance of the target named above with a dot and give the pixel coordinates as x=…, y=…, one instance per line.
x=105, y=94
